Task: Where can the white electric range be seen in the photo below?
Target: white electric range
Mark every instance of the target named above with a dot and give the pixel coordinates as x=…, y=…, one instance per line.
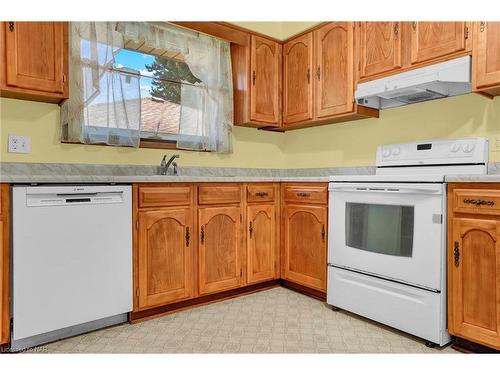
x=387, y=235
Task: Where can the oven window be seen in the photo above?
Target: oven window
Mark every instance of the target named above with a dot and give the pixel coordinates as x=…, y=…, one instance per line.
x=380, y=228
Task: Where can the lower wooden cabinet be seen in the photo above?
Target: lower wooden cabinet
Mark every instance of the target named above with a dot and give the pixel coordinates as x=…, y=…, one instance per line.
x=165, y=256
x=474, y=266
x=4, y=264
x=262, y=243
x=219, y=255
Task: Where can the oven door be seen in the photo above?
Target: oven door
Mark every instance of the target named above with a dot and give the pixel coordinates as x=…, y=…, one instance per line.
x=389, y=230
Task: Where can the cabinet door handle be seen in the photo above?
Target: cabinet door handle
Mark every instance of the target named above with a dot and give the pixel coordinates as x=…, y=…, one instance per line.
x=456, y=254
x=323, y=232
x=254, y=77
x=318, y=73
x=308, y=75
x=414, y=26
x=11, y=26
x=250, y=229
x=187, y=237
x=202, y=234
x=396, y=29
x=482, y=26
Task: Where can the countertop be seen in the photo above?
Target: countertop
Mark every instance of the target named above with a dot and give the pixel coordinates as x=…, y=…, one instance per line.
x=473, y=178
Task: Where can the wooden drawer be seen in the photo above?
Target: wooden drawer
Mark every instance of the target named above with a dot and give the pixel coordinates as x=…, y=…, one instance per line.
x=476, y=201
x=219, y=194
x=307, y=193
x=160, y=196
x=261, y=193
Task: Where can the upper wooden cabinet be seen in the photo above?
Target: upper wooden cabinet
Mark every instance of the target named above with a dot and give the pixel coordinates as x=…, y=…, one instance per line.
x=297, y=79
x=334, y=69
x=34, y=60
x=219, y=258
x=380, y=48
x=165, y=256
x=432, y=40
x=486, y=57
x=266, y=78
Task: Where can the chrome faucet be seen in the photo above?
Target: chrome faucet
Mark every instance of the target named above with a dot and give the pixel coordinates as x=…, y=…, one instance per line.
x=164, y=165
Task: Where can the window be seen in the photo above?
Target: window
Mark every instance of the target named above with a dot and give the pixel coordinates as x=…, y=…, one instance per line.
x=133, y=81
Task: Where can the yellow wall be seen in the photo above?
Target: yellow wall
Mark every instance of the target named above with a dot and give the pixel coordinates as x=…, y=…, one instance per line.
x=278, y=30
x=252, y=148
x=346, y=144
x=355, y=143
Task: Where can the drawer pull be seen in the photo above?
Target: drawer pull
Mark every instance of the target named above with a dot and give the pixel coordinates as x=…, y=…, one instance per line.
x=262, y=194
x=303, y=195
x=479, y=202
x=456, y=254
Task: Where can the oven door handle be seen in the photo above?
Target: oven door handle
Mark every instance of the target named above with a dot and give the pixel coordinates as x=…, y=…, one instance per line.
x=357, y=189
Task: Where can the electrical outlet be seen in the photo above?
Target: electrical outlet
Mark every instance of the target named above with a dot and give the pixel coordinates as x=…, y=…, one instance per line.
x=19, y=144
x=496, y=144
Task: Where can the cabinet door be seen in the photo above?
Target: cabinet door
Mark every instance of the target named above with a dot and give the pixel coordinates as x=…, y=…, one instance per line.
x=3, y=333
x=219, y=256
x=334, y=74
x=262, y=239
x=474, y=277
x=305, y=245
x=297, y=67
x=165, y=256
x=35, y=55
x=380, y=48
x=431, y=40
x=486, y=54
x=265, y=66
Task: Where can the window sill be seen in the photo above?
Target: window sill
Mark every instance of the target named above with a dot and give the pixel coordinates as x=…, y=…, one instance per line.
x=144, y=143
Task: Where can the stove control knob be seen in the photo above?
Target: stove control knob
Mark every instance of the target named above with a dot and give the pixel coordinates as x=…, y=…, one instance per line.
x=386, y=152
x=396, y=151
x=468, y=148
x=455, y=147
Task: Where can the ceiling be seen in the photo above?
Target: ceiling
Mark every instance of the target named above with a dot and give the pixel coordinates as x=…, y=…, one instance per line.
x=278, y=30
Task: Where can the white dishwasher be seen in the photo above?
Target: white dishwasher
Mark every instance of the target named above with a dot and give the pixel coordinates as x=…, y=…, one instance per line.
x=71, y=260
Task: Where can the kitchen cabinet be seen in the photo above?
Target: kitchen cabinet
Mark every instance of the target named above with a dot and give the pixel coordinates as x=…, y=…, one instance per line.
x=297, y=82
x=4, y=264
x=164, y=249
x=262, y=237
x=433, y=40
x=257, y=76
x=165, y=256
x=380, y=48
x=334, y=69
x=486, y=58
x=304, y=225
x=34, y=58
x=219, y=263
x=474, y=263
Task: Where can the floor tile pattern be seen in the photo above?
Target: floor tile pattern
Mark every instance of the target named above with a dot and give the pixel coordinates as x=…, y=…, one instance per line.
x=272, y=321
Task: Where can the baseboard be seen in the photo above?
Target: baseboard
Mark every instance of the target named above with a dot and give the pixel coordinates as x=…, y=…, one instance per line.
x=135, y=317
x=304, y=290
x=466, y=346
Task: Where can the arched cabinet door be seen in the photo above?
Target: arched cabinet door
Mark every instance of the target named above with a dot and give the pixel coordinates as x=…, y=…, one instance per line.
x=219, y=257
x=262, y=238
x=486, y=56
x=380, y=48
x=432, y=40
x=334, y=71
x=298, y=79
x=474, y=280
x=165, y=257
x=265, y=80
x=305, y=245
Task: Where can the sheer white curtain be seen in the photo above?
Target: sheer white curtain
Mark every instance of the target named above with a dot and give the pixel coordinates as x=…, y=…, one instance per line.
x=206, y=118
x=104, y=105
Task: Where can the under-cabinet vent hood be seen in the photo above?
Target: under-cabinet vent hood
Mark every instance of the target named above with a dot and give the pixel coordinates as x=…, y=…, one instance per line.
x=449, y=78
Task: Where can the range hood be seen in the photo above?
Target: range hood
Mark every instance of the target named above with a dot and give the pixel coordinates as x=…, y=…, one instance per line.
x=449, y=78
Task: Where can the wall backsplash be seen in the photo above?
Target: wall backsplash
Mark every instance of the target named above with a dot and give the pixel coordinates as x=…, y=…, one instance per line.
x=336, y=145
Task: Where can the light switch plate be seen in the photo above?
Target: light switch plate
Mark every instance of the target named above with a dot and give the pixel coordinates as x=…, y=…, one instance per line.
x=19, y=144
